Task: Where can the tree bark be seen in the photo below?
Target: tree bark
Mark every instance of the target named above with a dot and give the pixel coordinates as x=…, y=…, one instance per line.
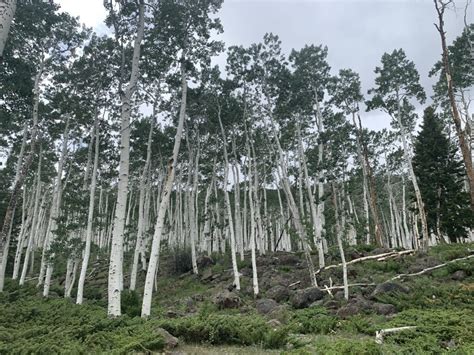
x=115, y=281
x=228, y=206
x=165, y=198
x=7, y=12
x=463, y=142
x=416, y=188
x=90, y=216
x=339, y=242
x=3, y=261
x=34, y=223
x=26, y=166
x=141, y=212
x=55, y=211
x=314, y=212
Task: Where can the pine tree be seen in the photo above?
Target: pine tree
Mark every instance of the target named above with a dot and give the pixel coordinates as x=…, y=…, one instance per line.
x=440, y=174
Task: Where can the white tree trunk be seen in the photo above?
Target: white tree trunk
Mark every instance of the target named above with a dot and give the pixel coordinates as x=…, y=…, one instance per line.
x=252, y=233
x=35, y=224
x=27, y=213
x=3, y=263
x=90, y=217
x=55, y=211
x=192, y=215
x=416, y=188
x=7, y=11
x=320, y=221
x=228, y=206
x=115, y=281
x=293, y=207
x=407, y=241
x=165, y=198
x=339, y=243
x=314, y=212
x=139, y=244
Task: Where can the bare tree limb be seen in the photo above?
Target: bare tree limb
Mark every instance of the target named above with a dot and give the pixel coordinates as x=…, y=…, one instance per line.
x=398, y=277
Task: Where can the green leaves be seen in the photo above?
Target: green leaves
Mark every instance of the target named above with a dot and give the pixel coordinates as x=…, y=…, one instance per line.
x=441, y=179
x=397, y=85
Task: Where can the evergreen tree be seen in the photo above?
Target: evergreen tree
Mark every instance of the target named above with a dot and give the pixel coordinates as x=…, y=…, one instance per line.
x=441, y=174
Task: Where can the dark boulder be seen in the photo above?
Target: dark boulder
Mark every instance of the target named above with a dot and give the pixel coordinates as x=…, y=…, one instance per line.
x=206, y=275
x=169, y=340
x=205, y=261
x=388, y=288
x=289, y=259
x=384, y=309
x=278, y=293
x=227, y=299
x=304, y=298
x=355, y=306
x=266, y=305
x=459, y=275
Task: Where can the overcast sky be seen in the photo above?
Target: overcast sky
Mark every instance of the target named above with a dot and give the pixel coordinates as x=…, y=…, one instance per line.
x=357, y=32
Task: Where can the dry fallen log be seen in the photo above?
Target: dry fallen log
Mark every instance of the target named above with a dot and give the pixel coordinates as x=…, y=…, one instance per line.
x=378, y=257
x=294, y=284
x=381, y=333
x=396, y=255
x=350, y=285
x=430, y=268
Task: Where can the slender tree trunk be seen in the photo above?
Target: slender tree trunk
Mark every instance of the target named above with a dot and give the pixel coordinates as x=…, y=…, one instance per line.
x=139, y=247
x=115, y=281
x=252, y=226
x=27, y=213
x=416, y=188
x=314, y=212
x=463, y=142
x=90, y=216
x=339, y=242
x=165, y=198
x=364, y=179
x=193, y=211
x=238, y=212
x=206, y=238
x=320, y=221
x=72, y=278
x=7, y=11
x=55, y=211
x=26, y=166
x=3, y=264
x=35, y=222
x=371, y=186
x=228, y=206
x=293, y=207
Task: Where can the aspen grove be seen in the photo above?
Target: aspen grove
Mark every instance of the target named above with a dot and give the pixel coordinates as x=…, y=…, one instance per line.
x=130, y=146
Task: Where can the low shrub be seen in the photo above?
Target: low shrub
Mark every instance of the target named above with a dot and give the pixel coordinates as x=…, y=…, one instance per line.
x=314, y=320
x=226, y=329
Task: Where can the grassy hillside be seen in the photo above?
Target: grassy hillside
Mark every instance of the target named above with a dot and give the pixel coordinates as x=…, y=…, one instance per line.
x=439, y=303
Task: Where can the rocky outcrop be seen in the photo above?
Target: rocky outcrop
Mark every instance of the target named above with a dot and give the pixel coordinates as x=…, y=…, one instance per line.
x=304, y=298
x=227, y=299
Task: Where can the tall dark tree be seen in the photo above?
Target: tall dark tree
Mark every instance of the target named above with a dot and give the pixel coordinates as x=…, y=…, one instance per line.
x=440, y=174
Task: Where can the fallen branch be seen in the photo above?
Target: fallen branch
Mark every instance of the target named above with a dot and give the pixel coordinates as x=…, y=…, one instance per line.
x=329, y=291
x=379, y=257
x=430, y=268
x=91, y=273
x=31, y=279
x=294, y=284
x=350, y=285
x=396, y=255
x=380, y=334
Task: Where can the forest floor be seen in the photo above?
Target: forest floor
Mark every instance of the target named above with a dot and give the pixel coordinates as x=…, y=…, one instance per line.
x=208, y=317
